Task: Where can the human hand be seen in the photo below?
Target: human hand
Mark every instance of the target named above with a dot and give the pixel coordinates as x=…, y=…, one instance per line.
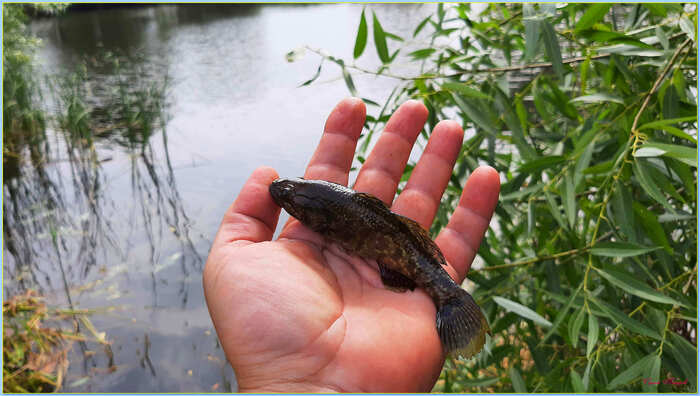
x=298, y=315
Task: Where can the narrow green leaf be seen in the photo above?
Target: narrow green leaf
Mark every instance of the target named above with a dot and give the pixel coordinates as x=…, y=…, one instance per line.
x=465, y=90
x=688, y=27
x=620, y=249
x=551, y=48
x=530, y=217
x=533, y=29
x=663, y=39
x=569, y=199
x=575, y=327
x=598, y=98
x=652, y=227
x=632, y=372
x=593, y=14
x=474, y=114
x=541, y=163
x=592, y=334
x=587, y=374
x=656, y=9
x=554, y=209
x=315, y=76
x=656, y=124
x=582, y=163
x=560, y=316
x=522, y=192
x=393, y=36
x=602, y=167
x=576, y=382
x=652, y=374
x=525, y=312
x=421, y=25
x=475, y=383
x=380, y=40
x=648, y=184
x=422, y=53
x=361, y=39
x=620, y=317
x=348, y=81
x=517, y=380
x=685, y=154
x=632, y=285
x=685, y=355
x=622, y=211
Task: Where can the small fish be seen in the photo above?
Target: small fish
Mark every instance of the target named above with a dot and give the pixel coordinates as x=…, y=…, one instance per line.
x=408, y=258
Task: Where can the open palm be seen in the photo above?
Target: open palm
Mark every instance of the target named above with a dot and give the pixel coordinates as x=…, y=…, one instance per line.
x=297, y=314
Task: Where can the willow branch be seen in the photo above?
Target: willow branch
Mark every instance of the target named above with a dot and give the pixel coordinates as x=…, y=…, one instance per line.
x=656, y=85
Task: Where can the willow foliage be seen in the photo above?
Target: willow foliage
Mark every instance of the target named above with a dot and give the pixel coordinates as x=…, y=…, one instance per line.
x=588, y=111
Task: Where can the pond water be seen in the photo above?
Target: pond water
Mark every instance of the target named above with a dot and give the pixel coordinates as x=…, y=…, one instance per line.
x=184, y=101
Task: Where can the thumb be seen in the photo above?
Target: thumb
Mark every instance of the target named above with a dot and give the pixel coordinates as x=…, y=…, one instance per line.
x=253, y=215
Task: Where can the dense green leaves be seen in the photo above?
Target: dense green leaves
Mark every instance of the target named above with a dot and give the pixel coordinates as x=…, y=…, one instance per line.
x=593, y=14
x=588, y=113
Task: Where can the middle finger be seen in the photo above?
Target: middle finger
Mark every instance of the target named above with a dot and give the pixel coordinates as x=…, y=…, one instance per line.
x=382, y=170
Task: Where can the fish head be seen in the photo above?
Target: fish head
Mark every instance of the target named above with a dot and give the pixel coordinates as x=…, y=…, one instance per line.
x=313, y=202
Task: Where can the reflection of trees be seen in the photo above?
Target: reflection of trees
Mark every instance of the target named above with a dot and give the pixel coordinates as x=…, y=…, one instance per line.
x=59, y=225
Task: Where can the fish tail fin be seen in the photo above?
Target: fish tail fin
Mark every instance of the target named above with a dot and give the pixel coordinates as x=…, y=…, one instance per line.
x=461, y=325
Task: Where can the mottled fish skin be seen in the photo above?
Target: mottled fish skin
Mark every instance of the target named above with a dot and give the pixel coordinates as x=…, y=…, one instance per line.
x=363, y=225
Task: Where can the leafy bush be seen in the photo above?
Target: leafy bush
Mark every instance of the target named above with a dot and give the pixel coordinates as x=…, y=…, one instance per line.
x=588, y=111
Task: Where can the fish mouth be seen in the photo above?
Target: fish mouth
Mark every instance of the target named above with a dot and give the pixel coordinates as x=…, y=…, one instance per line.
x=282, y=190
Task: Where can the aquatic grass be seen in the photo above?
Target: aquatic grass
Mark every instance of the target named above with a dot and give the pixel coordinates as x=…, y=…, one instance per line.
x=36, y=343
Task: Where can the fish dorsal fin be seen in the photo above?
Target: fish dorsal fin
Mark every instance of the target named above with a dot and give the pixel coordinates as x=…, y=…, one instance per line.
x=423, y=238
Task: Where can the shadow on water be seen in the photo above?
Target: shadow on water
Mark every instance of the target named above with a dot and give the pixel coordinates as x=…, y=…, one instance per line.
x=70, y=236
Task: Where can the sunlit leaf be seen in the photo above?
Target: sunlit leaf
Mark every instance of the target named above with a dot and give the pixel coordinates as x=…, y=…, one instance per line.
x=685, y=154
x=632, y=285
x=598, y=98
x=688, y=27
x=593, y=14
x=525, y=312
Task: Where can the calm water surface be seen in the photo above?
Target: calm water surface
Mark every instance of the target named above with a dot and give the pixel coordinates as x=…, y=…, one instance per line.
x=124, y=226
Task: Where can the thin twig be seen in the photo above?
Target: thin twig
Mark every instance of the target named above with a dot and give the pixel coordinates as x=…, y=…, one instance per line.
x=543, y=258
x=656, y=85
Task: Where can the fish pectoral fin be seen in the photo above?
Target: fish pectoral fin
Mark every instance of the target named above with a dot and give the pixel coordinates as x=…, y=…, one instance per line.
x=394, y=280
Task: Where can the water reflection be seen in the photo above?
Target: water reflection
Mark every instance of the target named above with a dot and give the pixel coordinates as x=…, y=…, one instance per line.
x=64, y=225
